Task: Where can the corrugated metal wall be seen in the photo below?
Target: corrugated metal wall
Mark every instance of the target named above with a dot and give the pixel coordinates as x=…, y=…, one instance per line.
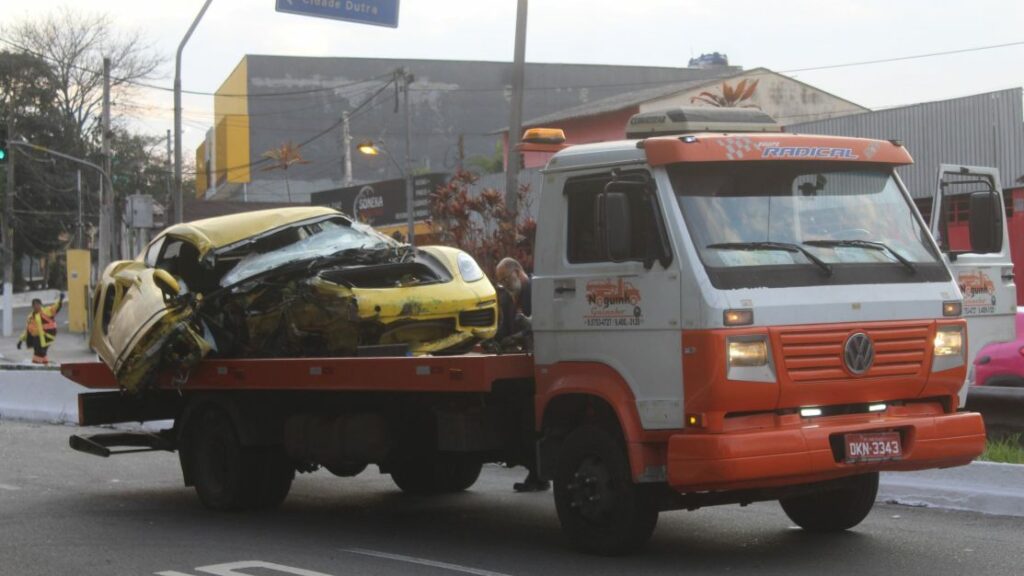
x=981, y=130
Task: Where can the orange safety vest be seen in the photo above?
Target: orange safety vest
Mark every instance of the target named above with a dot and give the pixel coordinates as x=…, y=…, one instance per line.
x=43, y=325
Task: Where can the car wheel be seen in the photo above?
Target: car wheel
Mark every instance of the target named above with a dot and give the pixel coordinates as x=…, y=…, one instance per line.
x=836, y=508
x=600, y=508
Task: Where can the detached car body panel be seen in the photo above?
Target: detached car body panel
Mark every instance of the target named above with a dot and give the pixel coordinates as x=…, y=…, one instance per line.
x=296, y=282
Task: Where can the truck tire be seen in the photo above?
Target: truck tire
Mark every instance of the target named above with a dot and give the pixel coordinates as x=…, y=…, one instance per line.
x=218, y=462
x=229, y=476
x=600, y=508
x=442, y=474
x=834, y=510
x=271, y=474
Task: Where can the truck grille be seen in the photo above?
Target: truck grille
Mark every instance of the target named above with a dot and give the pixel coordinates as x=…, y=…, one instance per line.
x=817, y=355
x=482, y=318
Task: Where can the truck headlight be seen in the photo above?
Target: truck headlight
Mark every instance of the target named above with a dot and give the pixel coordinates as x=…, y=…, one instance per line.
x=749, y=359
x=948, y=341
x=468, y=268
x=750, y=353
x=948, y=348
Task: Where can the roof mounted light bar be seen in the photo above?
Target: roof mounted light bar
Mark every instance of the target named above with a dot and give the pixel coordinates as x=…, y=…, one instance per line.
x=697, y=119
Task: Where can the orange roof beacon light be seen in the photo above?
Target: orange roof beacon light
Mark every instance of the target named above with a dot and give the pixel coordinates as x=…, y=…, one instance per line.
x=543, y=140
x=544, y=136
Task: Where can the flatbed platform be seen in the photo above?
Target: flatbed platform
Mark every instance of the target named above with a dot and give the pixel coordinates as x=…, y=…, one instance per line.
x=462, y=373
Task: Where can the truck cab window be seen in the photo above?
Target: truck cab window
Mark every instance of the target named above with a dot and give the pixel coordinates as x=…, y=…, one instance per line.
x=585, y=240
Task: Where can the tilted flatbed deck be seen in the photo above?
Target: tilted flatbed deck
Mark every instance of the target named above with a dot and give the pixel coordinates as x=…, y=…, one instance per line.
x=463, y=373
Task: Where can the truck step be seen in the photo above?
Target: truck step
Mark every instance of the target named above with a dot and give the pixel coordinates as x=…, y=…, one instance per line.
x=101, y=444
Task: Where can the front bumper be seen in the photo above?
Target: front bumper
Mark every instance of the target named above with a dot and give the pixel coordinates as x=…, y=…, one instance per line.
x=798, y=451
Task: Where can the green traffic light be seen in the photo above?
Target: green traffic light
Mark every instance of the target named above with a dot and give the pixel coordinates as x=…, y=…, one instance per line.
x=3, y=154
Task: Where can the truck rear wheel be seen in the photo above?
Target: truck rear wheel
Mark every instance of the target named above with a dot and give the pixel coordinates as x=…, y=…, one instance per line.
x=229, y=476
x=600, y=508
x=834, y=509
x=218, y=462
x=271, y=474
x=438, y=475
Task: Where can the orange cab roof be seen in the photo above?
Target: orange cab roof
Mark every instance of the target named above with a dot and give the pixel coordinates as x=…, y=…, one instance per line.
x=716, y=147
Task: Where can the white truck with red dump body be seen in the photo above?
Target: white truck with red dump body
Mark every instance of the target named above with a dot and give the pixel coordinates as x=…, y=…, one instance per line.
x=723, y=313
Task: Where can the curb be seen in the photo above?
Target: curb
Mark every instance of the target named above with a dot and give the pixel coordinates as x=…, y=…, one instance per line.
x=986, y=487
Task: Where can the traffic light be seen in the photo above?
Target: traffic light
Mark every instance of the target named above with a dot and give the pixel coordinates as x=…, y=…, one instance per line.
x=3, y=146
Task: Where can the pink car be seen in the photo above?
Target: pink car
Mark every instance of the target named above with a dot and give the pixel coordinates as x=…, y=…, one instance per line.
x=1002, y=364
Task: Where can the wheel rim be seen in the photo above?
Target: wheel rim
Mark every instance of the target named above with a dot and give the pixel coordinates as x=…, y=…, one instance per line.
x=590, y=490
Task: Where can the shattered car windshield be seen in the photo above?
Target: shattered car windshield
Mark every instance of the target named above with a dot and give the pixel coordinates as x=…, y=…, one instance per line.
x=312, y=241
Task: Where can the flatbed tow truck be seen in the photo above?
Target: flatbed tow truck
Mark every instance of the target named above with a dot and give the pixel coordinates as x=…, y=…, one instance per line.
x=792, y=329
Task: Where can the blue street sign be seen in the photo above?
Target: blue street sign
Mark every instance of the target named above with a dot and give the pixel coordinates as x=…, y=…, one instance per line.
x=375, y=12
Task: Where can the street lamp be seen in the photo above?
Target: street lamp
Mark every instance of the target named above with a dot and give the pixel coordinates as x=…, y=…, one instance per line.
x=178, y=209
x=368, y=148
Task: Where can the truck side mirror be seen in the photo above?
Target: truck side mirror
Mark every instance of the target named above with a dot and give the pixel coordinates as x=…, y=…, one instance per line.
x=615, y=225
x=986, y=222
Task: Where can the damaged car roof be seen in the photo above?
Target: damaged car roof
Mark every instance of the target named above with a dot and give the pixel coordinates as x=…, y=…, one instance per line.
x=213, y=233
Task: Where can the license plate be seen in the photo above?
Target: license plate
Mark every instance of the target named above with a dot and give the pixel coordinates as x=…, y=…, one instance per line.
x=873, y=447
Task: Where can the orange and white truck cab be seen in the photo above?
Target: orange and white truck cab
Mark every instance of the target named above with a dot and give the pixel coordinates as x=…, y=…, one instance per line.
x=792, y=319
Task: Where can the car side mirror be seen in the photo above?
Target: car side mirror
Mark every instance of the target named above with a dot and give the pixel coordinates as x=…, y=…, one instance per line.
x=166, y=283
x=614, y=225
x=986, y=222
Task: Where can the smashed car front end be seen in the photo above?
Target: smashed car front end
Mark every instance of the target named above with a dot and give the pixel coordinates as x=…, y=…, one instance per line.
x=139, y=330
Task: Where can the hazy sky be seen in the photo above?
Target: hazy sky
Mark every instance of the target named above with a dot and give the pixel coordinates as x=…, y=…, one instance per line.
x=783, y=35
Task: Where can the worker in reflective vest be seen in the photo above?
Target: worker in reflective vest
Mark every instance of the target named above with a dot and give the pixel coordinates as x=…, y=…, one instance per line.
x=41, y=328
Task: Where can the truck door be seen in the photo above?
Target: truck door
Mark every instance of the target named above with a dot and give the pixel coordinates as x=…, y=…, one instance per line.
x=977, y=248
x=611, y=294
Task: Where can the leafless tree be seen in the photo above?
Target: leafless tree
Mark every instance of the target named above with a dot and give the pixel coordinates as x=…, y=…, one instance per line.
x=74, y=45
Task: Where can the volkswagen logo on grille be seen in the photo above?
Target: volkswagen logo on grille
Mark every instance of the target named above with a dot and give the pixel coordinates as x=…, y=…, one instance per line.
x=859, y=353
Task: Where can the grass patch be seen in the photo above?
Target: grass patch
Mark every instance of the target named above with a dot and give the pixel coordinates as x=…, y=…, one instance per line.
x=1008, y=450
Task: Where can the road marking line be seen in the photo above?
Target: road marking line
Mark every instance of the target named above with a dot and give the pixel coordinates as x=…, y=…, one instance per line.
x=9, y=487
x=423, y=562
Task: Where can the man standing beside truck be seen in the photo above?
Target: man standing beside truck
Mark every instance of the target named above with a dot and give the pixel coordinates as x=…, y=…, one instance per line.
x=514, y=323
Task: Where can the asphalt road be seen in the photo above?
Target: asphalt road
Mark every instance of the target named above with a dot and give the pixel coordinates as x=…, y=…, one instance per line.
x=67, y=513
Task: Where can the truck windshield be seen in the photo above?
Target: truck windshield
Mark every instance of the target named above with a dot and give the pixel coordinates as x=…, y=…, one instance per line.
x=800, y=223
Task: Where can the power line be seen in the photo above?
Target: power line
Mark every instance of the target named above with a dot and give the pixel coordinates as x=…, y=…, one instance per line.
x=529, y=88
x=354, y=113
x=901, y=58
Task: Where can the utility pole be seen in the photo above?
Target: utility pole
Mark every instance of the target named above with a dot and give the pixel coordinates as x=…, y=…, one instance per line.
x=346, y=143
x=78, y=225
x=515, y=116
x=107, y=196
x=8, y=304
x=460, y=166
x=410, y=196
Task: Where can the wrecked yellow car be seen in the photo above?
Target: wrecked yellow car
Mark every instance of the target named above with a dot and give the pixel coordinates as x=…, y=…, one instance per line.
x=285, y=283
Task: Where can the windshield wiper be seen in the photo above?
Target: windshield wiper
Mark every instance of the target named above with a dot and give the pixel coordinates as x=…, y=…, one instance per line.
x=869, y=244
x=784, y=246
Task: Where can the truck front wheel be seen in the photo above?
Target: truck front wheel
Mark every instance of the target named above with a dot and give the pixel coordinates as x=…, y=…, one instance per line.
x=834, y=509
x=600, y=508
